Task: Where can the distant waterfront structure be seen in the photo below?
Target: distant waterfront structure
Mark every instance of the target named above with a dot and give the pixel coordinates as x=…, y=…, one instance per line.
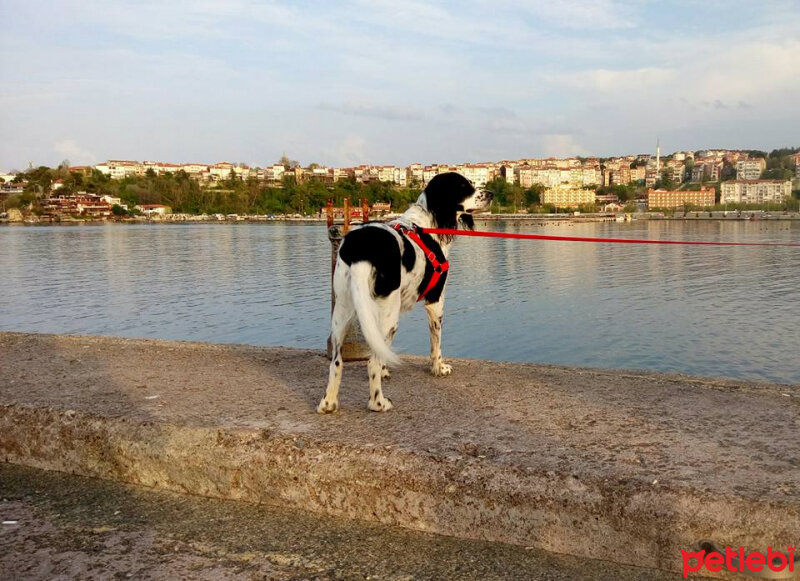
x=79, y=204
x=576, y=173
x=154, y=210
x=704, y=197
x=755, y=191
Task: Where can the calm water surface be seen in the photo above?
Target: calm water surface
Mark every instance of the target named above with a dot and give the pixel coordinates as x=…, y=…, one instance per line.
x=720, y=311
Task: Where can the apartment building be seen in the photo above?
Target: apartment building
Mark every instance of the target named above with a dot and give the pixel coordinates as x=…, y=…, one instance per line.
x=161, y=168
x=750, y=169
x=755, y=191
x=704, y=197
x=676, y=171
x=429, y=171
x=508, y=172
x=617, y=172
x=386, y=173
x=565, y=197
x=415, y=173
x=638, y=173
x=651, y=176
x=118, y=169
x=478, y=174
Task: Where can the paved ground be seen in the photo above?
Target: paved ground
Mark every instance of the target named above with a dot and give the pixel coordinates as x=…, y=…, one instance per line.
x=625, y=466
x=69, y=527
x=725, y=436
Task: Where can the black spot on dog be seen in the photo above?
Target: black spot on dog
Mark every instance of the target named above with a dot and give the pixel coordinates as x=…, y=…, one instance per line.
x=467, y=221
x=379, y=247
x=336, y=363
x=409, y=254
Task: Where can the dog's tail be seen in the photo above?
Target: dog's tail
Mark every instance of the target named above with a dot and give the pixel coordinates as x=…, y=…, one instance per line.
x=367, y=312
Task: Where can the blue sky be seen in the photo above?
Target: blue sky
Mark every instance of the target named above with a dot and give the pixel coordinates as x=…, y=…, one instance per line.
x=385, y=81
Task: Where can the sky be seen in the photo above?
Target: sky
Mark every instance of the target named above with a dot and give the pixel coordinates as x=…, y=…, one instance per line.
x=392, y=81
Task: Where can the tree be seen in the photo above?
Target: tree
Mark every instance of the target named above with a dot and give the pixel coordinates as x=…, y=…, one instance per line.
x=777, y=174
x=288, y=163
x=533, y=195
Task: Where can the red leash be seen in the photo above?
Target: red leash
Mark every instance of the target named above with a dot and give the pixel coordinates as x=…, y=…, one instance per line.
x=449, y=232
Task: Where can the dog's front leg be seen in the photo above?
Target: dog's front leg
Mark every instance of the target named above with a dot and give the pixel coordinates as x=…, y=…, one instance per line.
x=435, y=313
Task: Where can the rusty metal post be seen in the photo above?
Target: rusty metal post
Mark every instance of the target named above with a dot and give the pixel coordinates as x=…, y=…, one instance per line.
x=364, y=210
x=354, y=347
x=329, y=212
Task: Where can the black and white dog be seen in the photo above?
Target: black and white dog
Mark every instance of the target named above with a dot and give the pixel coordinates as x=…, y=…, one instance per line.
x=383, y=269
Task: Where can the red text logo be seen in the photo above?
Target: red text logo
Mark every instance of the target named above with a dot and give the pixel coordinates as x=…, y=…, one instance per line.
x=737, y=561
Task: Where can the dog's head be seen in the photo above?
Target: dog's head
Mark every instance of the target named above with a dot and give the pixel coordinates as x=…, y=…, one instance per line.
x=451, y=197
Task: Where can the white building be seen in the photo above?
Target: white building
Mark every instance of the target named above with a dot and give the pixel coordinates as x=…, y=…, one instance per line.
x=154, y=210
x=478, y=174
x=415, y=173
x=112, y=201
x=568, y=197
x=755, y=191
x=274, y=173
x=750, y=169
x=119, y=169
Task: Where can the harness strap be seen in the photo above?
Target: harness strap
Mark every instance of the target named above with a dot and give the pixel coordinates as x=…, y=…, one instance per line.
x=439, y=268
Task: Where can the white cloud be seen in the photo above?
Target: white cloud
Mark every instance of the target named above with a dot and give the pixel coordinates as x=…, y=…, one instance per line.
x=617, y=81
x=352, y=150
x=579, y=14
x=392, y=113
x=562, y=145
x=69, y=149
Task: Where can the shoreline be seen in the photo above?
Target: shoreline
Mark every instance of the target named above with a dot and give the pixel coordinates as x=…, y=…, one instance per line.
x=745, y=216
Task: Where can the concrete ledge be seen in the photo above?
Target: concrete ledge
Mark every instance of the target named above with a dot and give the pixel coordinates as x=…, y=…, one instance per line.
x=627, y=467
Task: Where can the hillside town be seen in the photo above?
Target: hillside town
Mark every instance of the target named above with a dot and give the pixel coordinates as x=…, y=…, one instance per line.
x=683, y=179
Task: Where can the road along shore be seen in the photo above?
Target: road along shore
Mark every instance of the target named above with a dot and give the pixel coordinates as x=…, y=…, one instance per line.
x=629, y=467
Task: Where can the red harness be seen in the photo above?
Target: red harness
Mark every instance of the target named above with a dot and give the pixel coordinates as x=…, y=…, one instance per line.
x=439, y=268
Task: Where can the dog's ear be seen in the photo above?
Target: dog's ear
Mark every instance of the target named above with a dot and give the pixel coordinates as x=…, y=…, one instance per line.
x=445, y=195
x=467, y=221
x=441, y=202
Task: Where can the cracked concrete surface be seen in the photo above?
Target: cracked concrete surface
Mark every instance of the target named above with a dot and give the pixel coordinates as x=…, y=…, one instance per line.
x=625, y=466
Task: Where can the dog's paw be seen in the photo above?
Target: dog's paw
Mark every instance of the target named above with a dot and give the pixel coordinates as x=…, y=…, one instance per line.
x=380, y=405
x=327, y=407
x=441, y=369
x=385, y=373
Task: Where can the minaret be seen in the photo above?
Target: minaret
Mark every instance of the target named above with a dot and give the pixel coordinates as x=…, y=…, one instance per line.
x=658, y=158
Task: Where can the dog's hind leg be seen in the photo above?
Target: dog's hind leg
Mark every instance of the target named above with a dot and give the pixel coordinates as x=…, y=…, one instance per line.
x=389, y=316
x=435, y=314
x=389, y=339
x=340, y=321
